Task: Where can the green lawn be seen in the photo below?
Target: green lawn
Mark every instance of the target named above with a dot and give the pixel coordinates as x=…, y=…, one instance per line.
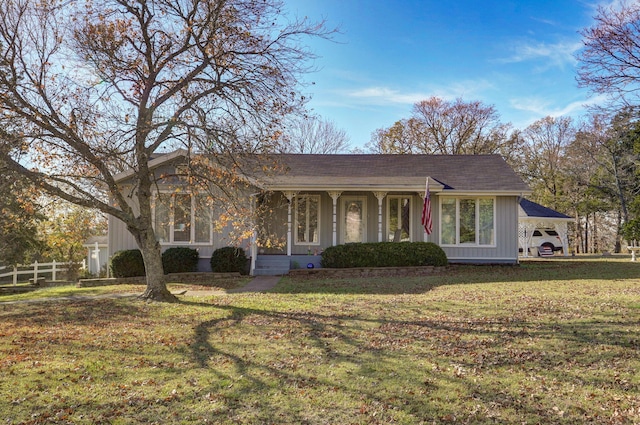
x=547, y=342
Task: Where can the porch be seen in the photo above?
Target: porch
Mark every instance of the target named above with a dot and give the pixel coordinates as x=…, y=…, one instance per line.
x=304, y=223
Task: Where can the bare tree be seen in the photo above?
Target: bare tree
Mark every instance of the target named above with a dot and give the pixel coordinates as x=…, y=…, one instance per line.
x=445, y=127
x=546, y=142
x=610, y=59
x=93, y=88
x=401, y=138
x=313, y=135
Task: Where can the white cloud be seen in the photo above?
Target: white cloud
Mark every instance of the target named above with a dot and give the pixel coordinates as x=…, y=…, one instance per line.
x=607, y=4
x=385, y=95
x=541, y=107
x=466, y=89
x=557, y=55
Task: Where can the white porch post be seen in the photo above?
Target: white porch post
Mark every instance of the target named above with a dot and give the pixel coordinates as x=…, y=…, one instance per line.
x=562, y=229
x=253, y=248
x=526, y=234
x=380, y=196
x=334, y=197
x=96, y=257
x=289, y=195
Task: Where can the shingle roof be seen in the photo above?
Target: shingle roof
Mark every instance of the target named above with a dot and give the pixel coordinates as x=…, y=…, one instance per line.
x=531, y=209
x=466, y=173
x=371, y=172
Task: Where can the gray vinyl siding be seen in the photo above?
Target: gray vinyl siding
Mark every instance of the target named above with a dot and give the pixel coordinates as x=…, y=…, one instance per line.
x=506, y=249
x=119, y=237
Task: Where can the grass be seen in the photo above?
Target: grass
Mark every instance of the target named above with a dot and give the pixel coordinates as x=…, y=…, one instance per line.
x=547, y=342
x=71, y=290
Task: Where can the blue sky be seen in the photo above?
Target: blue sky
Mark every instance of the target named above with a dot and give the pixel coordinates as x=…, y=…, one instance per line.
x=515, y=55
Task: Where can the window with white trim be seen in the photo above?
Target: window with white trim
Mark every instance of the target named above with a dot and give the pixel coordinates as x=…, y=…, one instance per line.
x=467, y=221
x=307, y=220
x=399, y=219
x=181, y=218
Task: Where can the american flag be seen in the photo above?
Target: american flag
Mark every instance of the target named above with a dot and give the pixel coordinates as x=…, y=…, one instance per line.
x=426, y=210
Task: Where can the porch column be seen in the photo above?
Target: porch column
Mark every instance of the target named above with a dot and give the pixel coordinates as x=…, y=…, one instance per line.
x=562, y=230
x=380, y=196
x=525, y=234
x=334, y=197
x=289, y=195
x=253, y=248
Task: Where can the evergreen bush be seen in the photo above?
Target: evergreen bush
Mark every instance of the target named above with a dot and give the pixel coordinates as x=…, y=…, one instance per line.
x=229, y=259
x=127, y=263
x=384, y=254
x=180, y=260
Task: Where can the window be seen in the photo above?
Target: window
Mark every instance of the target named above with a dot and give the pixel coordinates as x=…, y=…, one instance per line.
x=307, y=209
x=467, y=221
x=354, y=219
x=398, y=219
x=182, y=218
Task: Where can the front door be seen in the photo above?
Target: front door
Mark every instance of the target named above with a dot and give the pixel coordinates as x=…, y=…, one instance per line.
x=354, y=220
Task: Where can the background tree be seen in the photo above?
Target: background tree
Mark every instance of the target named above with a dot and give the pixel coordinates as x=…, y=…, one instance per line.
x=611, y=146
x=438, y=126
x=545, y=146
x=583, y=200
x=97, y=87
x=65, y=232
x=609, y=63
x=403, y=137
x=313, y=135
x=19, y=218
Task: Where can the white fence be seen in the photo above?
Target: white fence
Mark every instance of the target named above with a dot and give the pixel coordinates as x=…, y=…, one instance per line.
x=38, y=269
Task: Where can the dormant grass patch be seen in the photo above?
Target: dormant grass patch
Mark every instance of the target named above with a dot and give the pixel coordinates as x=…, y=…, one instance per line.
x=546, y=342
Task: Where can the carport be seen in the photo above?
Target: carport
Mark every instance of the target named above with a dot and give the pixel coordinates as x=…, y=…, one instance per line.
x=534, y=216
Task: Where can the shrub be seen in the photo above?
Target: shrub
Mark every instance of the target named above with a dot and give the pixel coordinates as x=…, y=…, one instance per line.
x=384, y=254
x=128, y=263
x=180, y=260
x=631, y=231
x=229, y=259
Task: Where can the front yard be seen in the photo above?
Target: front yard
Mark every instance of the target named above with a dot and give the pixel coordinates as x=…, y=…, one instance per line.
x=548, y=342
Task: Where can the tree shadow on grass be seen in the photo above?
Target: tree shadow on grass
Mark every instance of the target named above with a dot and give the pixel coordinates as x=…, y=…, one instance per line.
x=367, y=350
x=538, y=271
x=82, y=310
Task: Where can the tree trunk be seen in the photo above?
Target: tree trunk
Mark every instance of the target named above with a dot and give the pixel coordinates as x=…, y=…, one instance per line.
x=156, y=283
x=578, y=233
x=586, y=234
x=594, y=234
x=618, y=247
